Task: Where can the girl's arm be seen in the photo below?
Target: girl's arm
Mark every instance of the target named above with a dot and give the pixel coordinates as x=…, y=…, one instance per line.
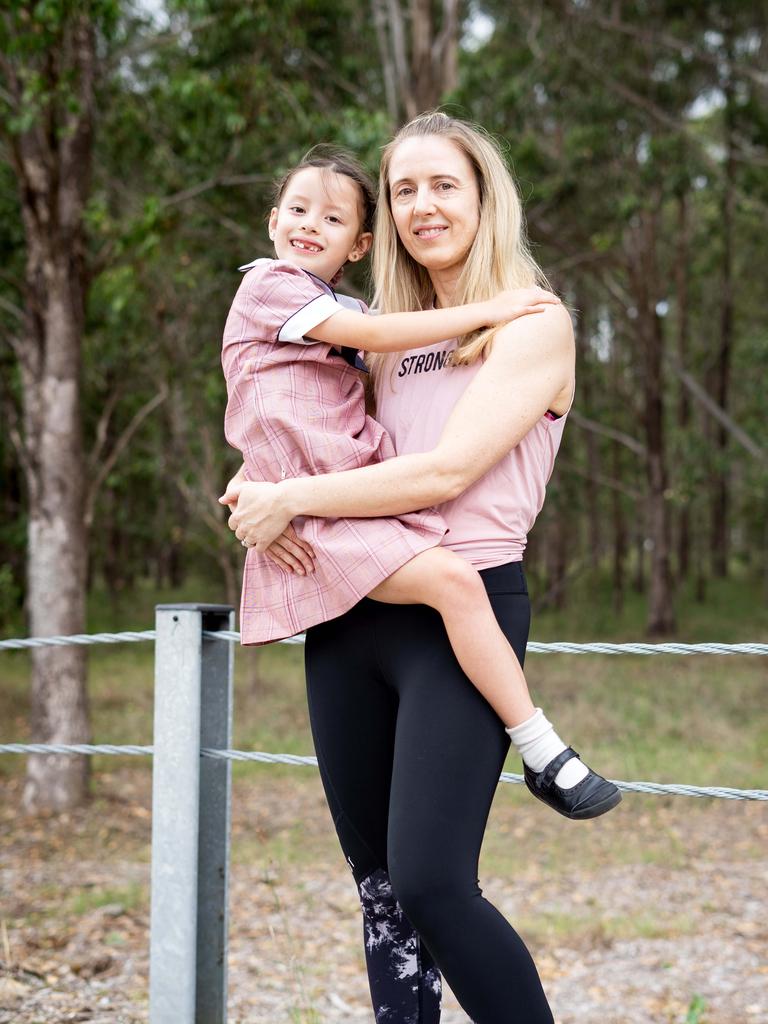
x=514, y=388
x=397, y=332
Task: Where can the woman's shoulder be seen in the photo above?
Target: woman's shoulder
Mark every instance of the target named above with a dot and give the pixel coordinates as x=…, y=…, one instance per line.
x=549, y=332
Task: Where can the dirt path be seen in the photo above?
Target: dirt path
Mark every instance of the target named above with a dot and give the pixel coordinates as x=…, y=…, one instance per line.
x=657, y=914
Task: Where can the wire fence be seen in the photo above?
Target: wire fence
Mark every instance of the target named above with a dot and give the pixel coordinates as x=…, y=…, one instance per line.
x=560, y=647
x=262, y=757
x=230, y=636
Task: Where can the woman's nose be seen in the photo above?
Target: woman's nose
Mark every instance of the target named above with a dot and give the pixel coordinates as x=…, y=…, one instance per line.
x=424, y=202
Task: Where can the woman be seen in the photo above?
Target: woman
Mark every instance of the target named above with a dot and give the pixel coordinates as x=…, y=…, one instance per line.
x=409, y=752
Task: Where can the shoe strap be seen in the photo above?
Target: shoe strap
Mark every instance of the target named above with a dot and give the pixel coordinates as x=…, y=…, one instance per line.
x=554, y=766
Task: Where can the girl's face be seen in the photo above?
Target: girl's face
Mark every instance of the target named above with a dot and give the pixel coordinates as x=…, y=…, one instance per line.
x=435, y=202
x=317, y=224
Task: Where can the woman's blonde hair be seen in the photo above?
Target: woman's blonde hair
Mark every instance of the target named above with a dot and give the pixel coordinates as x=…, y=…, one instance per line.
x=499, y=257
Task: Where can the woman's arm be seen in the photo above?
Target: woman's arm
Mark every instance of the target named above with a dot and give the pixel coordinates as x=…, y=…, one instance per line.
x=397, y=332
x=531, y=364
x=288, y=549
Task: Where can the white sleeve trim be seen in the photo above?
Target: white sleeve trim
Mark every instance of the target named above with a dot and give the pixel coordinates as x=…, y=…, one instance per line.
x=255, y=263
x=348, y=302
x=303, y=320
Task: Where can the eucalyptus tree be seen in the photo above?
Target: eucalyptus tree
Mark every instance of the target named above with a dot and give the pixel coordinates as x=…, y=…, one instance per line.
x=49, y=69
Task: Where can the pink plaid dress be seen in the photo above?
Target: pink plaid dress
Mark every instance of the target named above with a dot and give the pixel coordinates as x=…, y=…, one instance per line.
x=296, y=408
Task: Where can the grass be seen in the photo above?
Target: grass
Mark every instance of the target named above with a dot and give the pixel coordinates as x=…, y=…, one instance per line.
x=598, y=929
x=695, y=1010
x=698, y=720
x=129, y=897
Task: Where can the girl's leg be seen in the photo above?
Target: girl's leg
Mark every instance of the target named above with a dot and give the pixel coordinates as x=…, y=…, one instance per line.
x=446, y=582
x=353, y=715
x=449, y=751
x=554, y=773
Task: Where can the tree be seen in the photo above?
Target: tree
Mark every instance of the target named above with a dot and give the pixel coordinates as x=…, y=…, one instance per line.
x=49, y=66
x=418, y=50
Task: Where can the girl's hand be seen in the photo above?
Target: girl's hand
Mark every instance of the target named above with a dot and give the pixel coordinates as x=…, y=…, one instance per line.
x=258, y=516
x=518, y=302
x=292, y=553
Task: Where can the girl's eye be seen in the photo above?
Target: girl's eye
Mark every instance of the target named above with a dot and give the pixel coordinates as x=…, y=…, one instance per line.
x=334, y=220
x=296, y=209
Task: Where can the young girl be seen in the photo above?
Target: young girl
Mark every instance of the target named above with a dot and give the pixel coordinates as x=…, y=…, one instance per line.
x=296, y=408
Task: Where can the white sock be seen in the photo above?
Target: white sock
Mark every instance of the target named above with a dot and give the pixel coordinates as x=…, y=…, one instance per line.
x=537, y=743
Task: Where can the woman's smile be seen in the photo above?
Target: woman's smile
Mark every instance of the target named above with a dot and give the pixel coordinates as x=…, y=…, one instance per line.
x=431, y=231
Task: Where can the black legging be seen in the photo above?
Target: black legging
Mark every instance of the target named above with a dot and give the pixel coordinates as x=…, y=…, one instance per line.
x=410, y=755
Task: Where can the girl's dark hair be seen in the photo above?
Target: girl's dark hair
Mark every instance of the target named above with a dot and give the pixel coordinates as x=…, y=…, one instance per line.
x=336, y=161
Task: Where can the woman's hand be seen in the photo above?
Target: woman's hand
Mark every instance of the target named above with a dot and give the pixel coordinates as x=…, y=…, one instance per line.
x=516, y=302
x=258, y=515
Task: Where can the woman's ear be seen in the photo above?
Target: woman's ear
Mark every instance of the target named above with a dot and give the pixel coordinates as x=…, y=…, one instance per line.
x=361, y=247
x=272, y=223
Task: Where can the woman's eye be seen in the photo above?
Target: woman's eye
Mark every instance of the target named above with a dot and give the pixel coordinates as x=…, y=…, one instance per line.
x=403, y=193
x=444, y=186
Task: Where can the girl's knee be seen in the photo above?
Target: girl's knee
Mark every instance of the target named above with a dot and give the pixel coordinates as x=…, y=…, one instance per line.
x=457, y=577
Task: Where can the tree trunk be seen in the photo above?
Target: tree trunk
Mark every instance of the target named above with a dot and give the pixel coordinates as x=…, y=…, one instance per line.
x=638, y=583
x=650, y=338
x=720, y=388
x=619, y=535
x=591, y=494
x=52, y=160
x=684, y=405
x=56, y=567
x=419, y=67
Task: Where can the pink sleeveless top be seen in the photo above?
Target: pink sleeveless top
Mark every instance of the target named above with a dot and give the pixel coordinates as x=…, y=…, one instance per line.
x=488, y=524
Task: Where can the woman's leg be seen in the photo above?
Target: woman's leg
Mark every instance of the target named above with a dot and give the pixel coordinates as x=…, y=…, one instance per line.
x=353, y=714
x=448, y=753
x=446, y=582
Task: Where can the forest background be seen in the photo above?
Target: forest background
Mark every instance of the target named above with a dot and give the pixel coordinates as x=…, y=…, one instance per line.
x=139, y=146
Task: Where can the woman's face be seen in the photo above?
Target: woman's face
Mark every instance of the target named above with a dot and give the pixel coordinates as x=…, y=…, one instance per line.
x=435, y=201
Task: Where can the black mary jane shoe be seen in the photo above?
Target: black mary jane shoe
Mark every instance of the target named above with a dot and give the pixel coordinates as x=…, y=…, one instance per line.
x=589, y=798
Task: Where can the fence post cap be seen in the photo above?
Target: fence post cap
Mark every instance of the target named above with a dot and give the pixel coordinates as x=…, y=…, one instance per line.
x=182, y=607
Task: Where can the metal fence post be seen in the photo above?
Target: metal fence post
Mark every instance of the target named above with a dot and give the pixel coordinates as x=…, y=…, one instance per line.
x=190, y=816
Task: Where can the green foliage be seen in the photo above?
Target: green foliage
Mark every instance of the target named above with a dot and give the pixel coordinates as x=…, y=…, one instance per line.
x=201, y=103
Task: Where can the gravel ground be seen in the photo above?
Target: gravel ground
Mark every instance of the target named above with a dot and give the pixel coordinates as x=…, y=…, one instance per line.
x=657, y=915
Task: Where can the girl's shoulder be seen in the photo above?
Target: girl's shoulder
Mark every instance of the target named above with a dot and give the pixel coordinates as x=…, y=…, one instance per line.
x=265, y=268
x=266, y=264
x=278, y=283
x=275, y=273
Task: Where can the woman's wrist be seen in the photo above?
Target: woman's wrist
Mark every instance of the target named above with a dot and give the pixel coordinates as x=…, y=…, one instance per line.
x=291, y=497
